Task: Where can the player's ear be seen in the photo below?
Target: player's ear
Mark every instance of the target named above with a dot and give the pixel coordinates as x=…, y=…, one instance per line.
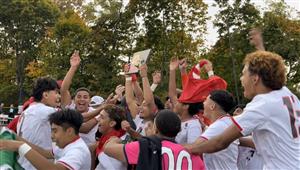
x=255, y=79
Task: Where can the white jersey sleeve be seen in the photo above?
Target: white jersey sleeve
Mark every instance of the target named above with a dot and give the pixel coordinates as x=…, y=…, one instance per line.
x=194, y=131
x=251, y=118
x=274, y=120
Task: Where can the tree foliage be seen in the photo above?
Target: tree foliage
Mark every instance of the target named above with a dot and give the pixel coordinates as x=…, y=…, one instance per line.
x=37, y=38
x=23, y=24
x=234, y=21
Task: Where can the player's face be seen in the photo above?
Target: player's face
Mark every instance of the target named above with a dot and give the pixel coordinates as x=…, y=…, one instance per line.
x=82, y=100
x=59, y=135
x=247, y=83
x=51, y=98
x=178, y=109
x=145, y=111
x=168, y=104
x=208, y=106
x=105, y=123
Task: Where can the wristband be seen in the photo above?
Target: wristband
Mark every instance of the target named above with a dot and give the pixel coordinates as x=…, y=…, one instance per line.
x=23, y=149
x=128, y=78
x=210, y=73
x=153, y=87
x=133, y=76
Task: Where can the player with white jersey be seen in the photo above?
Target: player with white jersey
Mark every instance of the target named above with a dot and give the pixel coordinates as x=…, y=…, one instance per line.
x=272, y=116
x=190, y=131
x=82, y=98
x=280, y=123
x=249, y=159
x=33, y=124
x=216, y=108
x=70, y=151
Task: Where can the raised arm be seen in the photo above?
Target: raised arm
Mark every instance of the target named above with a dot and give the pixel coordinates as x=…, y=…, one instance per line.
x=208, y=68
x=172, y=81
x=64, y=90
x=138, y=92
x=183, y=73
x=148, y=94
x=130, y=99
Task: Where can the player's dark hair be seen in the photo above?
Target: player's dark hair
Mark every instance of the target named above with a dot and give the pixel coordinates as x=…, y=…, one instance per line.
x=67, y=118
x=167, y=123
x=42, y=85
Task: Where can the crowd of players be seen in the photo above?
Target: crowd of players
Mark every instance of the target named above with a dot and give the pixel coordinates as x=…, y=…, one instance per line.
x=198, y=127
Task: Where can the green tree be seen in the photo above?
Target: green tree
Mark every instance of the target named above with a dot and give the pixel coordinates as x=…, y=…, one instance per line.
x=23, y=24
x=69, y=33
x=282, y=35
x=169, y=28
x=280, y=32
x=234, y=21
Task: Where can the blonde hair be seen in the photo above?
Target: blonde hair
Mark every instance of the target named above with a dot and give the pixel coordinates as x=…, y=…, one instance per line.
x=269, y=67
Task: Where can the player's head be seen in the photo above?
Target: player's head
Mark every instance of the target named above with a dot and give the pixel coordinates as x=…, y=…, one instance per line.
x=45, y=90
x=190, y=109
x=146, y=112
x=218, y=102
x=110, y=118
x=262, y=68
x=167, y=123
x=82, y=99
x=65, y=126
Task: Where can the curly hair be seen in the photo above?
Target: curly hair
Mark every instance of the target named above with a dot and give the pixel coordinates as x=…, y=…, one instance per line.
x=116, y=114
x=269, y=67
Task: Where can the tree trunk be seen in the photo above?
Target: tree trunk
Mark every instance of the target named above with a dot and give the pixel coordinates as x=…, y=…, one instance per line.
x=20, y=74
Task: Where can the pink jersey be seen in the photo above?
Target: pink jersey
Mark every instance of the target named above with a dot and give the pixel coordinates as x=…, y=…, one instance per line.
x=174, y=156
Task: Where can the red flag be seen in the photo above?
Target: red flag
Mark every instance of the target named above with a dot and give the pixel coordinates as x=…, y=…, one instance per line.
x=196, y=89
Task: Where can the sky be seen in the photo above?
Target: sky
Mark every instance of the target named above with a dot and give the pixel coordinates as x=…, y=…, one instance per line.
x=212, y=35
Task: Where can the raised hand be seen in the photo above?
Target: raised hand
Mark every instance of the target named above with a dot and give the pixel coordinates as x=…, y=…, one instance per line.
x=156, y=77
x=75, y=59
x=174, y=63
x=255, y=38
x=208, y=66
x=125, y=125
x=126, y=68
x=143, y=70
x=119, y=90
x=182, y=64
x=110, y=99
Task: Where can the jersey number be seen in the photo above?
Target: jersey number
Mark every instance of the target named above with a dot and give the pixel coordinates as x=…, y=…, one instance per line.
x=293, y=115
x=182, y=154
